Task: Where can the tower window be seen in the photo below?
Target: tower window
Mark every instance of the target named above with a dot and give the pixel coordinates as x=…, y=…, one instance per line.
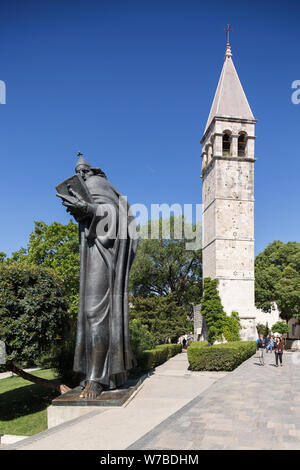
x=226, y=144
x=242, y=141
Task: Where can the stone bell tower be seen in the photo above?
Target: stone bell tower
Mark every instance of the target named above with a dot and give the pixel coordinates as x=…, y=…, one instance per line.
x=228, y=197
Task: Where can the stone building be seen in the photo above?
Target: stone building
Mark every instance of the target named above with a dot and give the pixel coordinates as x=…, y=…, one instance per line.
x=228, y=159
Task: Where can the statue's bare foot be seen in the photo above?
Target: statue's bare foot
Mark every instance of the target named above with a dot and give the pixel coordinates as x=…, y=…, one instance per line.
x=64, y=389
x=91, y=390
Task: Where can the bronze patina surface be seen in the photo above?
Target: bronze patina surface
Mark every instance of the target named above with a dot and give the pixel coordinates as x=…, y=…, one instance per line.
x=107, y=398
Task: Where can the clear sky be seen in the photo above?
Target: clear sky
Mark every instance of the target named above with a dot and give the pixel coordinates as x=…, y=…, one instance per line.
x=130, y=84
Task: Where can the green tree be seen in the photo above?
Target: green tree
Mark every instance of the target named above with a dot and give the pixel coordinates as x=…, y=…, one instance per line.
x=162, y=316
x=55, y=246
x=288, y=294
x=262, y=329
x=140, y=338
x=280, y=327
x=212, y=309
x=164, y=266
x=33, y=313
x=277, y=278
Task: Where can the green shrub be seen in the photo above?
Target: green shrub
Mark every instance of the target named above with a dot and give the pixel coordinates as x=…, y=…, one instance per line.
x=142, y=343
x=61, y=357
x=3, y=368
x=172, y=349
x=154, y=357
x=231, y=327
x=218, y=323
x=212, y=309
x=226, y=356
x=140, y=338
x=33, y=311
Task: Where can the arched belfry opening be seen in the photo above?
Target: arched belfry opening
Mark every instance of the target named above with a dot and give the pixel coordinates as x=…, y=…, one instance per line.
x=226, y=143
x=242, y=144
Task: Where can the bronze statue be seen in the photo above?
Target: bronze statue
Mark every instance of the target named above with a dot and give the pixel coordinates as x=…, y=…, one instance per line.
x=107, y=248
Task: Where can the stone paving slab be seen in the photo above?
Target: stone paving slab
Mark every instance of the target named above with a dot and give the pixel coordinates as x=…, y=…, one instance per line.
x=167, y=389
x=254, y=407
x=6, y=439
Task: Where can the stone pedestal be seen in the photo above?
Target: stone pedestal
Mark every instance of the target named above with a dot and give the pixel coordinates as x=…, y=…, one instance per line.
x=69, y=406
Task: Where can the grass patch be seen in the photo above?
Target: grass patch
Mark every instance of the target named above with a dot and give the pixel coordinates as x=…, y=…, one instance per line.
x=23, y=405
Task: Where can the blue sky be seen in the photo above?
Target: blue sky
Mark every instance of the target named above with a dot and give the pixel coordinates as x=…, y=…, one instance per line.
x=130, y=84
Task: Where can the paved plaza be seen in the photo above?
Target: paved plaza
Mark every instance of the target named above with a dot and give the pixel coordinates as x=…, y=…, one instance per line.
x=252, y=407
x=165, y=391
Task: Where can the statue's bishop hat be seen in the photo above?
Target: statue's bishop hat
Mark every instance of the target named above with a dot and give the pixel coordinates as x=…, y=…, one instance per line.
x=82, y=161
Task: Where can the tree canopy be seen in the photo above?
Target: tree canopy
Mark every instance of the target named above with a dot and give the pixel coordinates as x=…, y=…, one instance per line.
x=162, y=316
x=165, y=266
x=166, y=278
x=33, y=315
x=277, y=278
x=280, y=327
x=33, y=310
x=55, y=246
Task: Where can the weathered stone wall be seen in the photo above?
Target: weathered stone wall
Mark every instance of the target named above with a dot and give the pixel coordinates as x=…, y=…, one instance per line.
x=237, y=295
x=197, y=320
x=267, y=317
x=228, y=221
x=200, y=327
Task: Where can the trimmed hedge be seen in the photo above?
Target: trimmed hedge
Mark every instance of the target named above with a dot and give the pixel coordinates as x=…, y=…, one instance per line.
x=154, y=357
x=226, y=356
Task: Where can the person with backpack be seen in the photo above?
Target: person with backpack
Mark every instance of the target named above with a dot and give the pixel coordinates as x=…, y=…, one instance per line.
x=267, y=342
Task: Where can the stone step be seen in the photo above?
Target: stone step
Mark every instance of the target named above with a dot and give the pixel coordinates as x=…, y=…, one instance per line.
x=6, y=439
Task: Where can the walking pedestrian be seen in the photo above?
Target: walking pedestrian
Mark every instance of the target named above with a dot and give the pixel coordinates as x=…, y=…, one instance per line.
x=270, y=345
x=278, y=349
x=261, y=344
x=267, y=340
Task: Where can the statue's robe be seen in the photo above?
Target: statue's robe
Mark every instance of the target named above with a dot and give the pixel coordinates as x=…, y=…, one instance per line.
x=103, y=352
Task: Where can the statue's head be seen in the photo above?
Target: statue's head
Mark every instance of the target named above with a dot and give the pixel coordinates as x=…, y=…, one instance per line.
x=85, y=170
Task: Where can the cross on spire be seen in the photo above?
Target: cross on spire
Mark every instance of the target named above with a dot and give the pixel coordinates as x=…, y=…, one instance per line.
x=79, y=154
x=228, y=30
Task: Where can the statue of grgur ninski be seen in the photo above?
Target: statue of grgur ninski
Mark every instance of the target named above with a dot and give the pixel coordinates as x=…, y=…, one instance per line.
x=108, y=243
